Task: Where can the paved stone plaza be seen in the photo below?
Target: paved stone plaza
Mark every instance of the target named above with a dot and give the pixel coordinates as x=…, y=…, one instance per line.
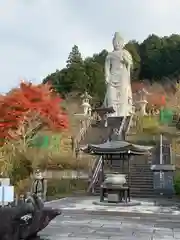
x=79, y=224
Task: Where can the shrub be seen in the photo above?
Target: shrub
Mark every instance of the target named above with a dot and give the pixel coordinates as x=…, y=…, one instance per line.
x=177, y=183
x=64, y=187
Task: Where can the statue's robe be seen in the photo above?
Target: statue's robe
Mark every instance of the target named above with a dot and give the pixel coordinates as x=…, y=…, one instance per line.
x=119, y=93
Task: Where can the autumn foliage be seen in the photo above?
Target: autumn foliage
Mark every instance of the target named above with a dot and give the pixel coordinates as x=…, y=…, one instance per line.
x=29, y=99
x=156, y=94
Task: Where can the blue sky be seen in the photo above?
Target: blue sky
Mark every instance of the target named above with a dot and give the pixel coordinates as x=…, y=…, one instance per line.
x=36, y=36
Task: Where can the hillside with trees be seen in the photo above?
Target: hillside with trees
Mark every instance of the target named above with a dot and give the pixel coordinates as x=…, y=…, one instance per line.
x=156, y=59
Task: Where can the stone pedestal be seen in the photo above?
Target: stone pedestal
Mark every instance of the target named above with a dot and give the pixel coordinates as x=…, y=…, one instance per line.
x=163, y=177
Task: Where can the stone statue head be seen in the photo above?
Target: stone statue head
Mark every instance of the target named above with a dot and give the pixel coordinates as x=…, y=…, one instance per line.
x=118, y=41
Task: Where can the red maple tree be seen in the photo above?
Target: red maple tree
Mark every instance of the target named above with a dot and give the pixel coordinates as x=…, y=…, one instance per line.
x=137, y=86
x=158, y=100
x=29, y=99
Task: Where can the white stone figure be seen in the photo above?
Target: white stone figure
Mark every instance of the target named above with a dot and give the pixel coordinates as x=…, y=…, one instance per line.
x=90, y=110
x=142, y=103
x=117, y=76
x=86, y=107
x=86, y=103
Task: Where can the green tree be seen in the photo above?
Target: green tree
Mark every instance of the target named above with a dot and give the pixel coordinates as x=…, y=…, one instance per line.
x=96, y=83
x=156, y=59
x=74, y=57
x=150, y=51
x=76, y=70
x=133, y=48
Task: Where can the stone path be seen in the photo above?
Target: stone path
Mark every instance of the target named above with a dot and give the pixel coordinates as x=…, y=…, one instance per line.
x=102, y=227
x=148, y=206
x=81, y=225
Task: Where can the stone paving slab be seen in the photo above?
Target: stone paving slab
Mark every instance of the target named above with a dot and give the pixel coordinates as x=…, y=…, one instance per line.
x=81, y=223
x=80, y=204
x=84, y=226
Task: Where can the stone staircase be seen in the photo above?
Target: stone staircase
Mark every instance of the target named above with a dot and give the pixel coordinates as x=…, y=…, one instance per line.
x=141, y=180
x=141, y=176
x=96, y=134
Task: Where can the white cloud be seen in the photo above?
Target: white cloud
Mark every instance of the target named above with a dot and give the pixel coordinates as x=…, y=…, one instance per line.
x=37, y=36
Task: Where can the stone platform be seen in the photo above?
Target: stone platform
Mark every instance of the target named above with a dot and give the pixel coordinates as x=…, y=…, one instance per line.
x=147, y=206
x=159, y=220
x=119, y=204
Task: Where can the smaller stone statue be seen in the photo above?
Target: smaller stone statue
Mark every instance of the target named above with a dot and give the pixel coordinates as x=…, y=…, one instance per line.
x=39, y=185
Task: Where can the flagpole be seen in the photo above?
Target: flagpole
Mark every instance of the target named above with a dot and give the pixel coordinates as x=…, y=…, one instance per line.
x=161, y=153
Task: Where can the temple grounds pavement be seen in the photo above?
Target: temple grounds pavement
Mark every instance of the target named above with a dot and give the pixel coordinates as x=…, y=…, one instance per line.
x=81, y=219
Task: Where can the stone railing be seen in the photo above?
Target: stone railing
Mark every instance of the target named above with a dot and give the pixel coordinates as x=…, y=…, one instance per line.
x=84, y=126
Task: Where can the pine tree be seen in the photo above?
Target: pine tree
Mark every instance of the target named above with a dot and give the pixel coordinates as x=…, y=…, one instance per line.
x=76, y=71
x=74, y=57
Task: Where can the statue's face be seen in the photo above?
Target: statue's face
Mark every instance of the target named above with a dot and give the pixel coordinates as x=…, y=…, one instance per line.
x=38, y=174
x=118, y=43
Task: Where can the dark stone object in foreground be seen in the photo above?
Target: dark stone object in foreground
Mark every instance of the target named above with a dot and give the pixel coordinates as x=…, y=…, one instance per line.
x=26, y=220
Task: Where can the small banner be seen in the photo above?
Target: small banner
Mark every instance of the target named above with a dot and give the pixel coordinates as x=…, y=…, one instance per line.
x=43, y=141
x=166, y=116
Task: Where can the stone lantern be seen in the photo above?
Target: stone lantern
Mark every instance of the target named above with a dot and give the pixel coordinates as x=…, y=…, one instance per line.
x=86, y=103
x=142, y=103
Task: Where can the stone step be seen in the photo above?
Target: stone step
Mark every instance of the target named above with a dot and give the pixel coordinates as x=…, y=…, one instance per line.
x=138, y=194
x=141, y=185
x=141, y=172
x=140, y=169
x=138, y=176
x=140, y=166
x=141, y=188
x=140, y=179
x=134, y=174
x=143, y=195
x=133, y=193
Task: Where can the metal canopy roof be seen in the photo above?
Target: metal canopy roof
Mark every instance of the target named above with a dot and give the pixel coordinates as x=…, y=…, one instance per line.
x=117, y=147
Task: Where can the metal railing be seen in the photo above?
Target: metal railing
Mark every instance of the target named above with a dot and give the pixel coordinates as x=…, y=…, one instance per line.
x=83, y=130
x=95, y=174
x=130, y=123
